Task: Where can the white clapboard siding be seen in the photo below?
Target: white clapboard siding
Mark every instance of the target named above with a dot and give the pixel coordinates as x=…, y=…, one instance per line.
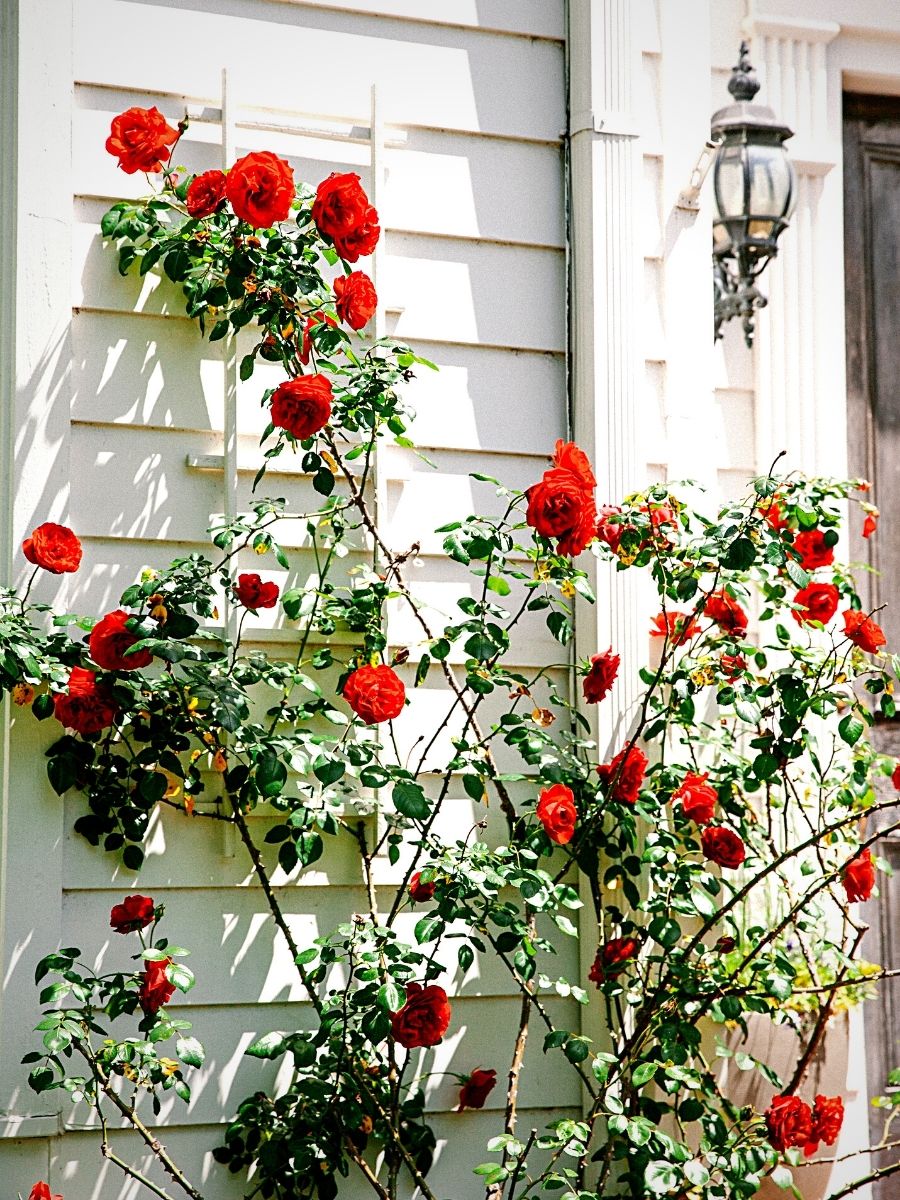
x=472, y=205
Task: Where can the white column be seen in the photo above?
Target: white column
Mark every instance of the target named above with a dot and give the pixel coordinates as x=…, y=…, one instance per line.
x=687, y=239
x=605, y=262
x=800, y=394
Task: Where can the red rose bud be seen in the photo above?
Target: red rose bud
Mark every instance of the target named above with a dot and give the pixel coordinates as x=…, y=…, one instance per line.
x=723, y=846
x=135, y=912
x=612, y=957
x=732, y=665
x=375, y=693
x=206, y=194
x=698, y=799
x=54, y=548
x=812, y=549
x=557, y=813
x=722, y=608
x=624, y=776
x=601, y=676
x=155, y=989
x=678, y=627
x=41, y=1191
x=424, y=1018
x=141, y=139
x=773, y=514
x=827, y=1119
x=562, y=505
x=870, y=524
x=110, y=639
x=476, y=1089
x=818, y=602
x=254, y=594
x=343, y=213
x=863, y=631
x=355, y=299
x=86, y=707
x=302, y=406
x=420, y=891
x=725, y=944
x=788, y=1122
x=895, y=776
x=858, y=876
x=314, y=319
x=260, y=189
x=609, y=531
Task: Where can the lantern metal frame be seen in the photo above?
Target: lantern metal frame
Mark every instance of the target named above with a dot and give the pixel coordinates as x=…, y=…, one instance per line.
x=745, y=241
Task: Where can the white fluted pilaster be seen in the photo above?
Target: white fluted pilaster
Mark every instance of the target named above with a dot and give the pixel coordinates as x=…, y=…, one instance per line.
x=800, y=400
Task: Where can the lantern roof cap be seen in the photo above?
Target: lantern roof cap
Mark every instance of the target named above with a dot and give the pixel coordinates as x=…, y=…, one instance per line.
x=743, y=113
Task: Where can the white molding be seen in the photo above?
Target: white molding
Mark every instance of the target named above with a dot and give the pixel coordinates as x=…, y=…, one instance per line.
x=797, y=29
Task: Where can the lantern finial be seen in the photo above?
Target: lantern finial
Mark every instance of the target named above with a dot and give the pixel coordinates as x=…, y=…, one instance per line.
x=743, y=83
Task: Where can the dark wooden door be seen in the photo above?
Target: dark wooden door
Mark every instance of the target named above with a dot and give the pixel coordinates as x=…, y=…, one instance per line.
x=872, y=280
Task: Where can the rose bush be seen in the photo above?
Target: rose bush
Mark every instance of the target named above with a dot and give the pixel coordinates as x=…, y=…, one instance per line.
x=726, y=825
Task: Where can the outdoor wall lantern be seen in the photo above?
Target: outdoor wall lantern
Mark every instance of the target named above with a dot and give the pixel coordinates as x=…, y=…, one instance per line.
x=754, y=191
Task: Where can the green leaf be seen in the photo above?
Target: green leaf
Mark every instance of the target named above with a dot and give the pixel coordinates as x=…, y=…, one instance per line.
x=665, y=931
x=851, y=729
x=798, y=577
x=660, y=1177
x=496, y=583
x=428, y=929
x=696, y=1173
x=643, y=1073
x=248, y=362
x=270, y=1045
x=741, y=554
x=390, y=997
x=181, y=976
x=409, y=801
x=190, y=1051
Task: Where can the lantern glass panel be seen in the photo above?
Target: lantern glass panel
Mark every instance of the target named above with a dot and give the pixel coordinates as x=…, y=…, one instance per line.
x=729, y=181
x=770, y=181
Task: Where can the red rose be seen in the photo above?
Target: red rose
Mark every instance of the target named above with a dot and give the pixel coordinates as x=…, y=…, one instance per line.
x=562, y=505
x=600, y=678
x=206, y=194
x=609, y=531
x=660, y=515
x=726, y=612
x=725, y=944
x=86, y=708
x=732, y=665
x=253, y=593
x=871, y=523
x=556, y=811
x=863, y=631
x=773, y=513
x=342, y=212
x=570, y=457
x=895, y=776
x=139, y=138
x=858, y=876
x=375, y=693
x=41, y=1191
x=476, y=1089
x=788, y=1122
x=678, y=627
x=54, y=548
x=812, y=549
x=316, y=318
x=420, y=891
x=698, y=798
x=155, y=989
x=723, y=846
x=818, y=602
x=260, y=189
x=302, y=406
x=355, y=299
x=424, y=1018
x=110, y=639
x=827, y=1119
x=624, y=775
x=612, y=957
x=135, y=912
